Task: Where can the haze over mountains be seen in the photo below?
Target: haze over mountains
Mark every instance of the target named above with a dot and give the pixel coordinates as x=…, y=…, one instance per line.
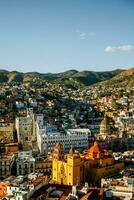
x=71, y=78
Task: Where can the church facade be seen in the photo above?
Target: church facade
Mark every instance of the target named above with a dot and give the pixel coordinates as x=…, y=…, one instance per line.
x=75, y=169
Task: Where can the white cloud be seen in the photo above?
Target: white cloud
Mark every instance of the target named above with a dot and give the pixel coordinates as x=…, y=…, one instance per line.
x=83, y=35
x=123, y=48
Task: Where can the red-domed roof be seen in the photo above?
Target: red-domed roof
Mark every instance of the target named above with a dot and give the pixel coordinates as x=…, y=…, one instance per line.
x=95, y=148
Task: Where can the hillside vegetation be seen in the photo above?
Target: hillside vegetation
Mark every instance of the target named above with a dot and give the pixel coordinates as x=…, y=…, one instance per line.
x=71, y=78
x=123, y=79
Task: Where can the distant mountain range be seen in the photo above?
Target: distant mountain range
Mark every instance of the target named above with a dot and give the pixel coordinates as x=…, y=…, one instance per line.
x=71, y=78
x=123, y=79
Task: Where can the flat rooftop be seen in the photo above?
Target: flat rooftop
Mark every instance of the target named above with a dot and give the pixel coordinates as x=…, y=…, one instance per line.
x=61, y=192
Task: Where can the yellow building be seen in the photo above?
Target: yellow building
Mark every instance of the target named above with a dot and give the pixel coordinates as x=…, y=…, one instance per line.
x=75, y=169
x=66, y=170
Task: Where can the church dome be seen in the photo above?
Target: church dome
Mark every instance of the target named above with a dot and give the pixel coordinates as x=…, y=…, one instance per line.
x=95, y=148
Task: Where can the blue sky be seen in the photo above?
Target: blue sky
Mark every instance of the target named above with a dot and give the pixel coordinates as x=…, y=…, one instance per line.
x=58, y=35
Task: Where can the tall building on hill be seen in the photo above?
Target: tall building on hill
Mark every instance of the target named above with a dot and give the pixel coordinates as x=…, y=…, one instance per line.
x=26, y=129
x=75, y=169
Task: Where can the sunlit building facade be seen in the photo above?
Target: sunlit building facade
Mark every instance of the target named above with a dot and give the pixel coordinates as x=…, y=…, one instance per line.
x=74, y=169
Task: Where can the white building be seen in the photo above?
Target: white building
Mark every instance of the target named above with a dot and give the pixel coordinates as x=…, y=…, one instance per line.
x=25, y=163
x=14, y=192
x=48, y=136
x=31, y=129
x=122, y=188
x=20, y=189
x=19, y=104
x=33, y=102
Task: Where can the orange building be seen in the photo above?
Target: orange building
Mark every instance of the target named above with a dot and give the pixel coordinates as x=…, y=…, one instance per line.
x=3, y=190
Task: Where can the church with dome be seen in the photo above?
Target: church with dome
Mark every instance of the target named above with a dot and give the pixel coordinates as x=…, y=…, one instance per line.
x=76, y=169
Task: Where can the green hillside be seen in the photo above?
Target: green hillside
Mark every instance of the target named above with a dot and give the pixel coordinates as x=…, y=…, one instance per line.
x=123, y=79
x=71, y=78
